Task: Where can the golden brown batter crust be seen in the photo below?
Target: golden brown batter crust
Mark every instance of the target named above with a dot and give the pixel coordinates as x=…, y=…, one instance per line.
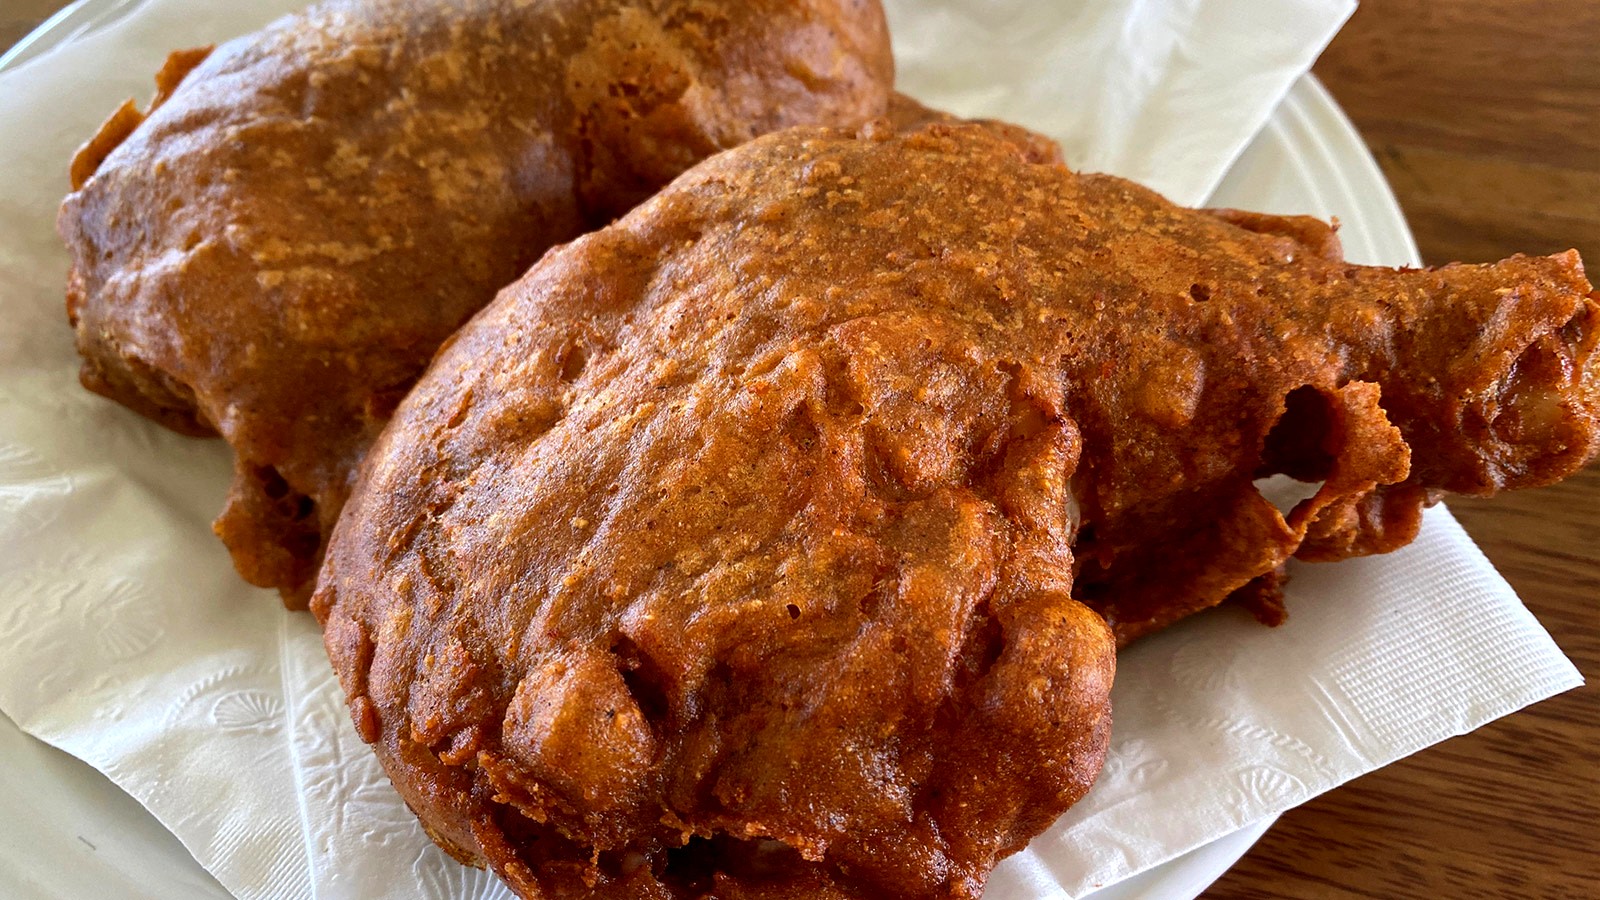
x=274, y=252
x=732, y=551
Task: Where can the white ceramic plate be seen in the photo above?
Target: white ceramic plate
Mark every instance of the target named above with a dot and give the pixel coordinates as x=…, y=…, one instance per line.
x=70, y=833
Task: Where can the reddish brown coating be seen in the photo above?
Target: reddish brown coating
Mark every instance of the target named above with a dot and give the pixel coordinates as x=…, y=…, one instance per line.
x=275, y=251
x=730, y=551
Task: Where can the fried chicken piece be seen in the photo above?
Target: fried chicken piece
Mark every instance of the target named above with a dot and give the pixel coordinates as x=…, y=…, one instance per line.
x=731, y=551
x=277, y=248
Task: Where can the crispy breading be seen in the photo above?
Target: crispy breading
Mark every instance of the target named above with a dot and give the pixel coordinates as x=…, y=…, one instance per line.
x=275, y=251
x=734, y=550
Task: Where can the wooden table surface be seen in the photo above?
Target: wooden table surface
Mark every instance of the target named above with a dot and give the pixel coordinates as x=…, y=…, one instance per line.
x=1485, y=115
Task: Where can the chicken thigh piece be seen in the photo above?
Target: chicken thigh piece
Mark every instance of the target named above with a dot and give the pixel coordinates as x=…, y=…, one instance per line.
x=274, y=251
x=762, y=544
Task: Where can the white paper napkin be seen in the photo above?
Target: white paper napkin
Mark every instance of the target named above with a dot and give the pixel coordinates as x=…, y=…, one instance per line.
x=126, y=639
x=1166, y=93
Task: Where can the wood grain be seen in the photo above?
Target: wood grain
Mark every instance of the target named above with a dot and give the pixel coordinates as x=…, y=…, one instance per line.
x=1485, y=115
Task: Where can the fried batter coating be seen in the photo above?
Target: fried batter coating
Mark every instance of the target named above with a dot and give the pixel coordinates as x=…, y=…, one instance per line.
x=730, y=552
x=275, y=251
